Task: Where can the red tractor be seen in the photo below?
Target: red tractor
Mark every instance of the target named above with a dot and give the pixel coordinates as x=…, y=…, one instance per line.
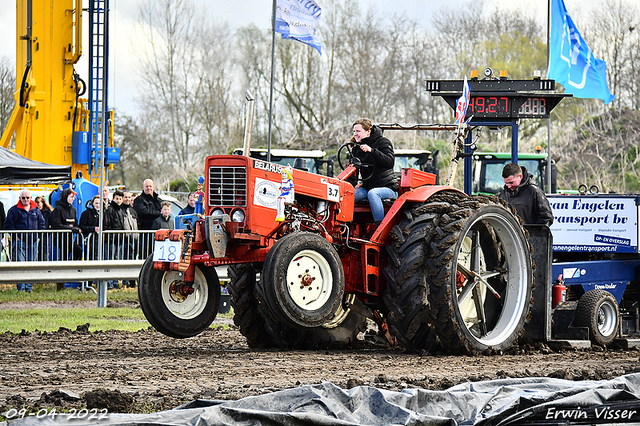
x=443, y=270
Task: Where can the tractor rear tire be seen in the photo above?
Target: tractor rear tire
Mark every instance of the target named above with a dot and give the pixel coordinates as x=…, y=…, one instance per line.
x=247, y=316
x=168, y=310
x=407, y=289
x=480, y=273
x=598, y=310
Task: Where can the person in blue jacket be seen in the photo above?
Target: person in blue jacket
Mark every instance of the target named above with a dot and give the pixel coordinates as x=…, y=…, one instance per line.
x=24, y=216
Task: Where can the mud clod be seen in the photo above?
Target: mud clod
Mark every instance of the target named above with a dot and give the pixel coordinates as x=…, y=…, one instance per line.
x=112, y=400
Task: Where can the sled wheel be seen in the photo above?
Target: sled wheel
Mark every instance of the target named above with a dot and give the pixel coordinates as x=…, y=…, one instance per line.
x=303, y=280
x=480, y=274
x=245, y=306
x=172, y=308
x=598, y=310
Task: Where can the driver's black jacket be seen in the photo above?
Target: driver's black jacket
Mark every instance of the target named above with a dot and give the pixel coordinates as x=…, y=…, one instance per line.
x=381, y=157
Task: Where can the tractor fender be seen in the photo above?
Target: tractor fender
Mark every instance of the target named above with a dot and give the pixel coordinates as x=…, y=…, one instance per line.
x=417, y=195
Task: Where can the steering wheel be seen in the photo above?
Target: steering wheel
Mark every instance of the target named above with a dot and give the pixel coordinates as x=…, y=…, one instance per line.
x=346, y=151
x=346, y=157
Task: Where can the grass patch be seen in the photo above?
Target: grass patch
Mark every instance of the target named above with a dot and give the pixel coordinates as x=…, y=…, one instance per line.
x=48, y=318
x=51, y=319
x=48, y=292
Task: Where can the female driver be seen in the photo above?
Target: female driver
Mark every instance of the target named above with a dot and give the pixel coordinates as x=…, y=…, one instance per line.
x=377, y=179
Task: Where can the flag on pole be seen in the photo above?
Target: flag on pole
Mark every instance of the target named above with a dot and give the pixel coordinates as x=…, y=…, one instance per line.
x=463, y=102
x=571, y=62
x=297, y=20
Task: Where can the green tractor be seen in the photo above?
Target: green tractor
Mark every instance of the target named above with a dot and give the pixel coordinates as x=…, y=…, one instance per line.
x=487, y=171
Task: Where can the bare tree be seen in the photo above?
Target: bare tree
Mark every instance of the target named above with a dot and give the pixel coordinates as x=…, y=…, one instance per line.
x=7, y=90
x=613, y=37
x=172, y=78
x=254, y=60
x=218, y=111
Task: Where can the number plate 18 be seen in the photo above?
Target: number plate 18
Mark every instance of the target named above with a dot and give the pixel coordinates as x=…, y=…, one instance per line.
x=167, y=251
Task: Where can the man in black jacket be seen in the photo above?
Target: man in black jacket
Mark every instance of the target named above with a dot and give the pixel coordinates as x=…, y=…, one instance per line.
x=2, y=215
x=378, y=178
x=528, y=200
x=147, y=205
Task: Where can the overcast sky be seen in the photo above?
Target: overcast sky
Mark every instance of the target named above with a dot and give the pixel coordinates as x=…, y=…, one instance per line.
x=122, y=91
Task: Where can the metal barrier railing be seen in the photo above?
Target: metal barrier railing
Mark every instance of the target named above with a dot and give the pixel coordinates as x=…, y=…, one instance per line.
x=51, y=256
x=63, y=245
x=60, y=255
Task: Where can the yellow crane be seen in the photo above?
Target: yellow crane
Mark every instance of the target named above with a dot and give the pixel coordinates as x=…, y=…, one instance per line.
x=50, y=121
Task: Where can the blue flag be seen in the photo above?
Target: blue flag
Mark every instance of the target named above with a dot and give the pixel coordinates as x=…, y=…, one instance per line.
x=297, y=20
x=571, y=62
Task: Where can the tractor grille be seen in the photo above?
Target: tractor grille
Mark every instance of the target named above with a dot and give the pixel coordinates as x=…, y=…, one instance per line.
x=227, y=186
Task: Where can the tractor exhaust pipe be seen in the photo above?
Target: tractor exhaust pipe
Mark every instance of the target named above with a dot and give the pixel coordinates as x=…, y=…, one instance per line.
x=248, y=126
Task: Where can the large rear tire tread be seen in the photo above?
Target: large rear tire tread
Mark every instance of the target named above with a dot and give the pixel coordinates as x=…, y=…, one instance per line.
x=458, y=215
x=247, y=316
x=406, y=295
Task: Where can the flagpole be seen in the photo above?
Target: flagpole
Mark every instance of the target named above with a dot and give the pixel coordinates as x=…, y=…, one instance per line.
x=549, y=168
x=548, y=34
x=273, y=54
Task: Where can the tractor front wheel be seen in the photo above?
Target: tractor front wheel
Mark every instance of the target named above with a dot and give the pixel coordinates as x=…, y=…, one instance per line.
x=176, y=308
x=303, y=280
x=261, y=330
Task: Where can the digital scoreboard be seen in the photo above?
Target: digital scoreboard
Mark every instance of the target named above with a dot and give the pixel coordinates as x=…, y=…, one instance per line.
x=501, y=99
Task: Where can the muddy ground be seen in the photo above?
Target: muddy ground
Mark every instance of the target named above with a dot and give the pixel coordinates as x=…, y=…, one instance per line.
x=147, y=371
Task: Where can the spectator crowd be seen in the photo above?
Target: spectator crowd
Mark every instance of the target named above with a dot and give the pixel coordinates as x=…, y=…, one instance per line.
x=33, y=221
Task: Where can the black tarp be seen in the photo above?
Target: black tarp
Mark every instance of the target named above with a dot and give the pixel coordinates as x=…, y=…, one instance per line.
x=527, y=401
x=16, y=170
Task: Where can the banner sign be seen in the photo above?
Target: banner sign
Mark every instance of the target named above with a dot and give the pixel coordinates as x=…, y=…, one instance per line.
x=604, y=224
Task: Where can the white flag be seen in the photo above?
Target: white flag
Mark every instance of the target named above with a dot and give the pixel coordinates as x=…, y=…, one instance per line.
x=298, y=19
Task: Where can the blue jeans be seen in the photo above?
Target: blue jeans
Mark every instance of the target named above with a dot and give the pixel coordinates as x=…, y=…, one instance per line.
x=26, y=251
x=375, y=197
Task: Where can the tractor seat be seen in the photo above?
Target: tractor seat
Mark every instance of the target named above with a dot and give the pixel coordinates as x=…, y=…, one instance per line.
x=385, y=202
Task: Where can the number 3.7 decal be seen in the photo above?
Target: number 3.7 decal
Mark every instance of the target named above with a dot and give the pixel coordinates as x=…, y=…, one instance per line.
x=333, y=192
x=167, y=251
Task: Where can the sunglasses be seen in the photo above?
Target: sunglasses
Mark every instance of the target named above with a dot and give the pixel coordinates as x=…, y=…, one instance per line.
x=25, y=198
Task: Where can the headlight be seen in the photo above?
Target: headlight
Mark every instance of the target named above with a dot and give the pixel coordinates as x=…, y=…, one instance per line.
x=217, y=212
x=237, y=216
